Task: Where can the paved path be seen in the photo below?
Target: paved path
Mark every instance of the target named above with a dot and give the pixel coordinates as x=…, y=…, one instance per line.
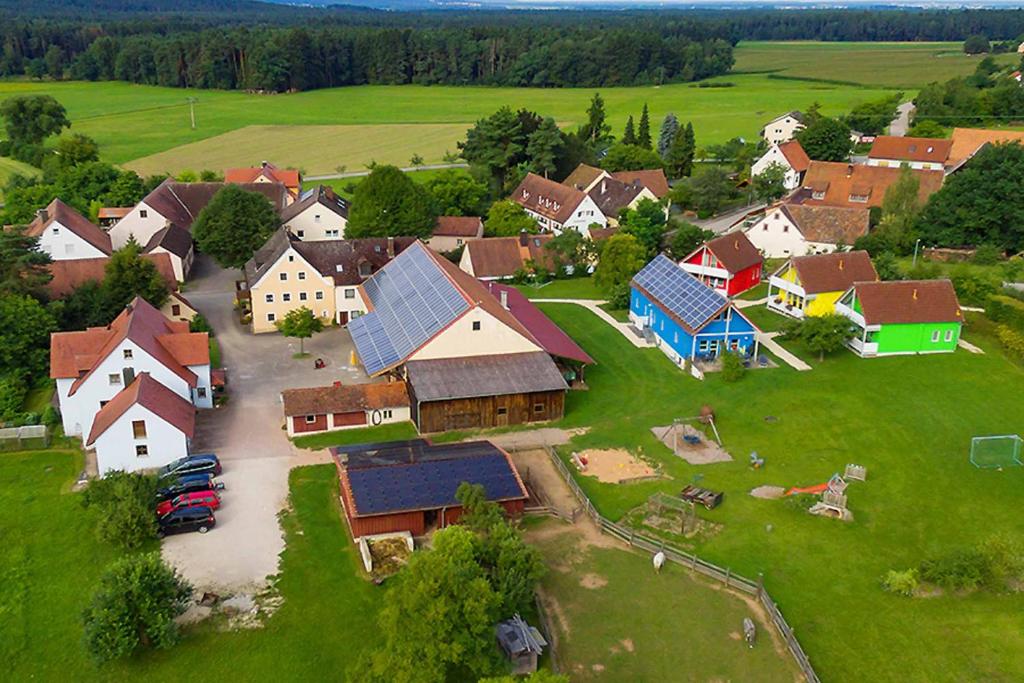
x=969, y=346
x=594, y=305
x=767, y=340
x=901, y=124
x=747, y=303
x=721, y=223
x=407, y=169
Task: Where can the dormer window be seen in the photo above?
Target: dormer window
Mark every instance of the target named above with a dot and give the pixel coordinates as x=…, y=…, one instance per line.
x=339, y=268
x=364, y=269
x=859, y=198
x=818, y=194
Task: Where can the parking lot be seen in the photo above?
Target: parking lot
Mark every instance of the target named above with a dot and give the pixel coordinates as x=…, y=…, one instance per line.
x=247, y=433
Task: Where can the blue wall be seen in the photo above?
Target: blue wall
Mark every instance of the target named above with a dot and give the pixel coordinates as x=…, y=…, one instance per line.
x=677, y=339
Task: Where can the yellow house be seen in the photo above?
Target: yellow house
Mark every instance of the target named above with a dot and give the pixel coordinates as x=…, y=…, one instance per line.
x=811, y=285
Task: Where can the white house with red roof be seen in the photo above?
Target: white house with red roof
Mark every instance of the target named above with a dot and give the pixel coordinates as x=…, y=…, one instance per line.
x=790, y=156
x=91, y=367
x=66, y=235
x=145, y=425
x=557, y=207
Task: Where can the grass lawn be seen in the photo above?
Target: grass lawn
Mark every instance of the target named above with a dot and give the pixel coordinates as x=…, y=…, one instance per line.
x=388, y=432
x=346, y=186
x=569, y=288
x=215, y=358
x=667, y=626
x=909, y=419
x=767, y=321
x=38, y=398
x=50, y=561
x=759, y=292
x=10, y=167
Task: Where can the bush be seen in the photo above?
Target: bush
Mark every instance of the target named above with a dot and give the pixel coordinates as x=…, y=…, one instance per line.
x=1006, y=310
x=200, y=324
x=1012, y=341
x=901, y=583
x=125, y=504
x=733, y=369
x=973, y=288
x=960, y=569
x=51, y=418
x=618, y=297
x=12, y=397
x=988, y=255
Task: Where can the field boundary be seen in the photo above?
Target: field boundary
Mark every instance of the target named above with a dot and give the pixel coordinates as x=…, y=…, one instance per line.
x=695, y=564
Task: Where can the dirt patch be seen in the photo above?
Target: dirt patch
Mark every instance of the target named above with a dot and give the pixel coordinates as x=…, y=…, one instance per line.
x=735, y=635
x=536, y=468
x=768, y=492
x=597, y=667
x=593, y=581
x=627, y=644
x=615, y=465
x=702, y=452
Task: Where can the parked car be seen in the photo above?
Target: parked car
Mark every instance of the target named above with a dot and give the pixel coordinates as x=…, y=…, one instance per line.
x=208, y=498
x=187, y=484
x=191, y=464
x=199, y=519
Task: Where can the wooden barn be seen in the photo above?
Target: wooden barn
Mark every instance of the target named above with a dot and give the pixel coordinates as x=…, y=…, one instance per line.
x=410, y=485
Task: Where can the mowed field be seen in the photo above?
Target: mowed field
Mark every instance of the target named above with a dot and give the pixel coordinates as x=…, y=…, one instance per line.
x=9, y=167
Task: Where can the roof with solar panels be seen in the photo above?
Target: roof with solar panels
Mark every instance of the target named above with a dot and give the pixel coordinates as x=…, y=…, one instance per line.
x=680, y=295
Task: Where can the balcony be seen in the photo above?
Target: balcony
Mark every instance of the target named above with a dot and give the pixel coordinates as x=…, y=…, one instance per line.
x=791, y=309
x=863, y=348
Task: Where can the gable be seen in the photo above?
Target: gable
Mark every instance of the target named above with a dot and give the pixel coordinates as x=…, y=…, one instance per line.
x=283, y=265
x=460, y=339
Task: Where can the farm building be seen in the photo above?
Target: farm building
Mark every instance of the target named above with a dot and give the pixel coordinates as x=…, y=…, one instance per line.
x=966, y=142
x=798, y=229
x=730, y=264
x=410, y=485
x=903, y=317
x=811, y=285
x=343, y=406
x=688, y=320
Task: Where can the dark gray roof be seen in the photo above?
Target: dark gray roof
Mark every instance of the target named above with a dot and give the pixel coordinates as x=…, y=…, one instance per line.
x=320, y=194
x=495, y=375
x=181, y=203
x=516, y=637
x=172, y=238
x=611, y=195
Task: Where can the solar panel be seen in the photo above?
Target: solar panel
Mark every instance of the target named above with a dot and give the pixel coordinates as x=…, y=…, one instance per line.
x=680, y=293
x=412, y=300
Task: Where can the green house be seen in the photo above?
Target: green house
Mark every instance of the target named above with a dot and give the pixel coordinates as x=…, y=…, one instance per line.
x=902, y=317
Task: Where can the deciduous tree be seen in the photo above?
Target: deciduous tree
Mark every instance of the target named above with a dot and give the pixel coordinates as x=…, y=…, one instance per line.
x=25, y=327
x=388, y=203
x=826, y=139
x=622, y=257
x=30, y=119
x=623, y=157
x=128, y=275
x=123, y=502
x=770, y=184
x=506, y=218
x=301, y=324
x=822, y=333
x=646, y=223
x=457, y=193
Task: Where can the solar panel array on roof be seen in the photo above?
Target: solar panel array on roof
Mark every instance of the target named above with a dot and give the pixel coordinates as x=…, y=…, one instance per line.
x=679, y=293
x=412, y=301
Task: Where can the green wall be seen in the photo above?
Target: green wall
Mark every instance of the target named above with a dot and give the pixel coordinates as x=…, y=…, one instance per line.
x=914, y=337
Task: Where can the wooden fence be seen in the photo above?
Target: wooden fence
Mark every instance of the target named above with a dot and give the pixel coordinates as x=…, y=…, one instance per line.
x=695, y=564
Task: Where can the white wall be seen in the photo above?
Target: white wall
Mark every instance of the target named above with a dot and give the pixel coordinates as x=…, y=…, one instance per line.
x=177, y=263
x=775, y=156
x=583, y=217
x=202, y=394
x=771, y=237
x=466, y=263
x=781, y=130
x=917, y=165
x=116, y=447
x=460, y=339
x=142, y=222
x=349, y=299
x=312, y=224
x=64, y=245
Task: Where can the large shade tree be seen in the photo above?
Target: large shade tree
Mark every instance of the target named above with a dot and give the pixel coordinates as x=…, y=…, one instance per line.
x=234, y=224
x=389, y=204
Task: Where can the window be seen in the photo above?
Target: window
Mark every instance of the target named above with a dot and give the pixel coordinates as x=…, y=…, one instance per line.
x=143, y=213
x=69, y=249
x=476, y=325
x=949, y=335
x=269, y=298
x=142, y=451
x=785, y=228
x=302, y=296
x=704, y=346
x=56, y=230
x=114, y=378
x=502, y=410
x=316, y=218
x=291, y=259
x=331, y=233
x=302, y=276
x=365, y=269
x=538, y=408
x=271, y=317
x=300, y=233
x=350, y=294
x=175, y=309
x=201, y=392
x=386, y=414
x=935, y=336
x=139, y=429
x=458, y=242
x=127, y=354
x=764, y=228
x=284, y=276
x=310, y=419
x=319, y=296
x=103, y=403
x=286, y=297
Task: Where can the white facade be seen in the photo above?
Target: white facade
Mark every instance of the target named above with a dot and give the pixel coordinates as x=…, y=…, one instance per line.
x=373, y=418
x=317, y=223
x=916, y=165
x=181, y=266
x=774, y=155
x=583, y=216
x=349, y=303
x=781, y=129
x=776, y=236
x=130, y=446
x=64, y=245
x=476, y=333
x=142, y=222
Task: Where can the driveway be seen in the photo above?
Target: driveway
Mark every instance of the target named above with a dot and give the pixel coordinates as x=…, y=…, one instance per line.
x=901, y=124
x=247, y=433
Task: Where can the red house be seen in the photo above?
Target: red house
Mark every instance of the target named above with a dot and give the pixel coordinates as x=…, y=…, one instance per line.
x=730, y=264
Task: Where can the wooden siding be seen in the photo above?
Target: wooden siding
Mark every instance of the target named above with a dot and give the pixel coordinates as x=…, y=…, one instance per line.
x=350, y=419
x=300, y=425
x=483, y=412
x=413, y=522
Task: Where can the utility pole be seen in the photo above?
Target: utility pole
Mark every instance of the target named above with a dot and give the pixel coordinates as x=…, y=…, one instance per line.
x=192, y=110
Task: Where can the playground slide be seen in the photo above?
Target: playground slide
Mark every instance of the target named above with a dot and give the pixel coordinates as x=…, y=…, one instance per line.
x=816, y=489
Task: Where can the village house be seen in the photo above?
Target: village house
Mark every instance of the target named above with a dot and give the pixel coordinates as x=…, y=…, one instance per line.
x=783, y=128
x=584, y=177
x=497, y=258
x=811, y=285
x=927, y=154
x=790, y=156
x=613, y=196
x=177, y=244
x=65, y=235
x=67, y=276
x=687, y=320
x=319, y=214
x=468, y=361
x=557, y=207
x=451, y=232
x=287, y=273
x=267, y=173
x=830, y=183
x=587, y=178
x=797, y=229
x=653, y=179
x=344, y=406
x=966, y=142
x=410, y=485
x=108, y=216
x=903, y=317
x=93, y=366
x=144, y=426
x=729, y=264
x=178, y=309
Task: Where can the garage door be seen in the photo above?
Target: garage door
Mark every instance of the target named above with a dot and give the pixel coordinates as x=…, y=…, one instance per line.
x=350, y=419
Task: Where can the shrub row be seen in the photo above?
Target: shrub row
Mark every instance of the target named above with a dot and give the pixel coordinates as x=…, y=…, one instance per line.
x=1006, y=310
x=1012, y=340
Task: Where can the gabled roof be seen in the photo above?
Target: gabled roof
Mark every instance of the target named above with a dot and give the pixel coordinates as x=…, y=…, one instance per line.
x=458, y=226
x=58, y=211
x=290, y=178
x=76, y=354
x=445, y=379
x=795, y=155
x=612, y=196
x=932, y=150
x=154, y=397
x=734, y=251
x=547, y=198
x=171, y=238
x=117, y=212
x=503, y=256
x=583, y=176
x=181, y=203
x=344, y=398
x=549, y=335
x=838, y=181
x=834, y=272
x=680, y=295
x=795, y=114
x=828, y=224
x=967, y=141
x=322, y=195
x=70, y=275
x=908, y=301
x=653, y=179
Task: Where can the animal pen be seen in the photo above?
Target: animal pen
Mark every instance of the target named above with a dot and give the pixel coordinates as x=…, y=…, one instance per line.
x=996, y=452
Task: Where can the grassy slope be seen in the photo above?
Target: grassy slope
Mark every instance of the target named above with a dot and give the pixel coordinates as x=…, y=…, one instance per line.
x=10, y=167
x=908, y=419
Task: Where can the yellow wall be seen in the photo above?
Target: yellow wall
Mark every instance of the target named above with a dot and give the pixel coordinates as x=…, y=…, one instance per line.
x=823, y=303
x=271, y=283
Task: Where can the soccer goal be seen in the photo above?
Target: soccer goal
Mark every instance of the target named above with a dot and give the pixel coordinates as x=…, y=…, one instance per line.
x=996, y=451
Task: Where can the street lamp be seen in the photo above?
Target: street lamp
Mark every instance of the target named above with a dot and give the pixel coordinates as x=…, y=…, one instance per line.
x=916, y=244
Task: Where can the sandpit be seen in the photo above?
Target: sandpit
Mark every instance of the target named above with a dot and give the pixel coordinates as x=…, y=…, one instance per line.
x=768, y=492
x=704, y=452
x=615, y=465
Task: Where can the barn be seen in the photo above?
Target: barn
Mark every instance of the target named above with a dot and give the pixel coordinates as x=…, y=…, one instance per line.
x=410, y=485
x=311, y=410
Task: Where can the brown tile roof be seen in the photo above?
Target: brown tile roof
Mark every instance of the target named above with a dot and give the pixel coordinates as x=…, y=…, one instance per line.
x=734, y=251
x=72, y=220
x=932, y=150
x=582, y=177
x=70, y=275
x=908, y=301
x=459, y=226
x=322, y=195
x=599, y=234
x=290, y=178
x=829, y=224
x=171, y=238
x=547, y=198
x=653, y=179
x=151, y=395
x=347, y=398
x=495, y=375
x=795, y=155
x=612, y=196
x=838, y=181
x=181, y=203
x=503, y=256
x=833, y=272
x=967, y=141
x=114, y=211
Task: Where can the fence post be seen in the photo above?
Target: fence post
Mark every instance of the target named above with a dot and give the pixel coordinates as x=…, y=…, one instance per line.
x=728, y=573
x=632, y=534
x=760, y=584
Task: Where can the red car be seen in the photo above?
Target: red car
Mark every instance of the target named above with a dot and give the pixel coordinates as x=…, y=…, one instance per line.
x=208, y=499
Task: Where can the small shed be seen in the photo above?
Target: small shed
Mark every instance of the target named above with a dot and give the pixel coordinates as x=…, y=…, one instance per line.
x=522, y=644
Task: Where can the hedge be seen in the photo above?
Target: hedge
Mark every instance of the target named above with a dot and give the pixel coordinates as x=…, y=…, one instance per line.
x=1012, y=339
x=1006, y=310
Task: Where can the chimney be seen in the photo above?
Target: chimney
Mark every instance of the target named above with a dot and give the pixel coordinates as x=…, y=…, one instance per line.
x=264, y=164
x=43, y=215
x=604, y=186
x=840, y=264
x=391, y=247
x=524, y=238
x=849, y=170
x=503, y=295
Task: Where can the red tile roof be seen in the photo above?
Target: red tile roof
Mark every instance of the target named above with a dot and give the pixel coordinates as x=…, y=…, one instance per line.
x=58, y=211
x=459, y=226
x=931, y=150
x=908, y=301
x=547, y=198
x=838, y=181
x=503, y=256
x=70, y=275
x=734, y=251
x=346, y=398
x=967, y=141
x=833, y=272
x=795, y=155
x=154, y=397
x=290, y=178
x=548, y=335
x=653, y=179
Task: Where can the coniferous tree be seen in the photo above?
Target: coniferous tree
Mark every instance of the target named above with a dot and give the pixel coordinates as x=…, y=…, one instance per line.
x=543, y=147
x=596, y=130
x=680, y=155
x=669, y=128
x=629, y=135
x=643, y=132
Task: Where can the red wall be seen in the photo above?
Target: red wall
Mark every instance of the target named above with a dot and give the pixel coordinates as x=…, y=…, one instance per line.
x=349, y=419
x=745, y=279
x=300, y=425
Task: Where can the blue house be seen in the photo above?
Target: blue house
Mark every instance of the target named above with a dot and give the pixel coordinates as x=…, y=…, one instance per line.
x=687, y=319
